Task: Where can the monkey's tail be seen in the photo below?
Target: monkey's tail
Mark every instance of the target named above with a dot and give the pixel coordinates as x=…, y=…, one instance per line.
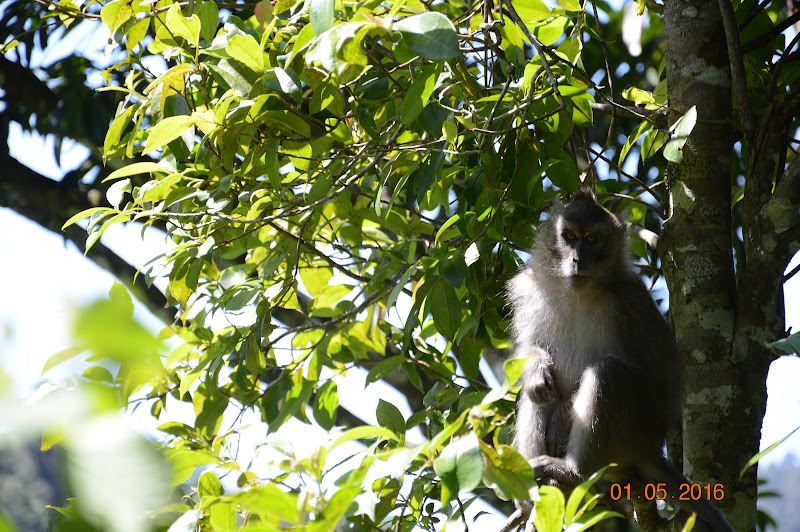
x=677, y=490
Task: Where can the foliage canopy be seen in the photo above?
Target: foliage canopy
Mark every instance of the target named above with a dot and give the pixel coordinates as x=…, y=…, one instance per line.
x=347, y=187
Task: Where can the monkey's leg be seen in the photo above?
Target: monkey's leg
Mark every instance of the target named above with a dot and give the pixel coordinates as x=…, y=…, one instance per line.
x=610, y=422
x=531, y=429
x=536, y=404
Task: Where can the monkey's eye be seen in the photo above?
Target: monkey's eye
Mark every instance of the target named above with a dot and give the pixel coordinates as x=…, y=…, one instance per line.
x=569, y=236
x=591, y=238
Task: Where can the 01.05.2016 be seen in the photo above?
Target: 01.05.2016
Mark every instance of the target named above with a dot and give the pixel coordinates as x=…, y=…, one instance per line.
x=688, y=492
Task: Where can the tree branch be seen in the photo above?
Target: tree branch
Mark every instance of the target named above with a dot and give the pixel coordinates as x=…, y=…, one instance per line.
x=512, y=13
x=782, y=208
x=737, y=65
x=50, y=203
x=771, y=34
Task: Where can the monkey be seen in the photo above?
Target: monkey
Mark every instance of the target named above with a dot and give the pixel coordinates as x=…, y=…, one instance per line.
x=601, y=383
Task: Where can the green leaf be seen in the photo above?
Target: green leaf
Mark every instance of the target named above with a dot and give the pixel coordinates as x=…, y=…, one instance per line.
x=446, y=309
x=269, y=499
x=326, y=50
x=459, y=466
x=168, y=130
x=589, y=519
x=280, y=80
x=450, y=131
x=651, y=143
x=454, y=269
x=109, y=330
x=179, y=25
x=323, y=305
x=298, y=396
x=469, y=351
x=320, y=14
x=315, y=279
x=445, y=226
x=134, y=169
x=70, y=511
x=579, y=493
x=235, y=75
x=246, y=49
x=85, y=214
x=643, y=128
x=512, y=368
x=549, y=510
x=222, y=516
x=689, y=525
x=114, y=134
x=334, y=509
x=551, y=31
x=763, y=453
x=401, y=284
x=570, y=5
x=116, y=192
x=209, y=19
x=363, y=432
x=419, y=93
x=508, y=473
x=97, y=233
x=639, y=96
x=680, y=131
x=62, y=356
x=184, y=463
x=383, y=368
x=389, y=416
x=209, y=485
x=325, y=405
x=430, y=36
x=531, y=10
x=115, y=14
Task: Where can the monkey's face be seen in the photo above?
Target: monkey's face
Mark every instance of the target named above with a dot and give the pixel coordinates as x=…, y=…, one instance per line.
x=586, y=242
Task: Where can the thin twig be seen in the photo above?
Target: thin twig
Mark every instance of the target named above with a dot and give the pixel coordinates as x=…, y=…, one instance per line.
x=539, y=49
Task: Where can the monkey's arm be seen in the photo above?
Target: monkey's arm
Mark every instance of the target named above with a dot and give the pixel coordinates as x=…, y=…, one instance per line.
x=538, y=381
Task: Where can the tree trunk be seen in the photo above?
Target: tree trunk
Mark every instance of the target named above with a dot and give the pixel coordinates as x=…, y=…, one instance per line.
x=723, y=403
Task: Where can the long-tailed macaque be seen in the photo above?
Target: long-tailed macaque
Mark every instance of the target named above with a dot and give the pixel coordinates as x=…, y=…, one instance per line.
x=602, y=382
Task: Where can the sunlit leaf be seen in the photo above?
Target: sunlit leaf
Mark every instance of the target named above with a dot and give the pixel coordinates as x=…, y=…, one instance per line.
x=460, y=466
x=188, y=28
x=321, y=15
x=418, y=93
x=389, y=416
x=326, y=403
x=168, y=130
x=247, y=50
x=549, y=515
x=680, y=131
x=508, y=473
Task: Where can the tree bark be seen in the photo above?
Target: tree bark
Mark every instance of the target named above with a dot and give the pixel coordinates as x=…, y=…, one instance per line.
x=721, y=418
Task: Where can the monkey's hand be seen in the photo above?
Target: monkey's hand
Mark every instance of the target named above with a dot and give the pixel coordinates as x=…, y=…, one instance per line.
x=538, y=381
